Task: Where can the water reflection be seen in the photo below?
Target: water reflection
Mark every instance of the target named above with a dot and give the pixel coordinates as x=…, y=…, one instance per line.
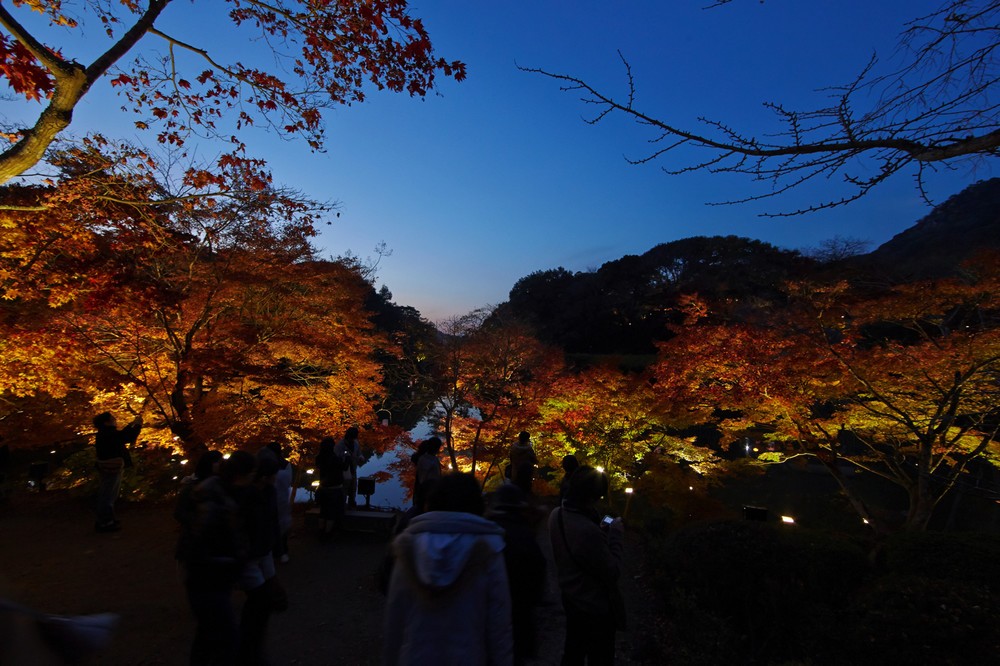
x=389, y=494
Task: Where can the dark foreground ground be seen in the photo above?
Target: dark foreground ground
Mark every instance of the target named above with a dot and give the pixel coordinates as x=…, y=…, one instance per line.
x=52, y=560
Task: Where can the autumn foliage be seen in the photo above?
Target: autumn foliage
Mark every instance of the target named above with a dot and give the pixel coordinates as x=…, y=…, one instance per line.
x=196, y=301
x=293, y=60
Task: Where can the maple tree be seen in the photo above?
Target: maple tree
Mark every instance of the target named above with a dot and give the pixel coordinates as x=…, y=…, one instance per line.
x=897, y=382
x=299, y=58
x=195, y=298
x=489, y=377
x=613, y=419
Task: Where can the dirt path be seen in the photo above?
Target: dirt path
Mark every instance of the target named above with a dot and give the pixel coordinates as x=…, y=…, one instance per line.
x=51, y=559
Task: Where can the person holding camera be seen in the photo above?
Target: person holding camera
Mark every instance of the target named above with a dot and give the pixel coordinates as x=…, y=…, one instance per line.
x=588, y=554
x=111, y=450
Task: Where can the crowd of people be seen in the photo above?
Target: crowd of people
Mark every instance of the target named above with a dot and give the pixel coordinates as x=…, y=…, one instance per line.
x=463, y=576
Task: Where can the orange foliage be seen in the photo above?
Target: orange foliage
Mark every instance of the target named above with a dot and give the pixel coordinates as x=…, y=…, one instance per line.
x=199, y=299
x=330, y=53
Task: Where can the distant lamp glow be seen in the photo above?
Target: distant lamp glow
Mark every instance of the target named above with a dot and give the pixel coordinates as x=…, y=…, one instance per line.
x=600, y=469
x=628, y=500
x=184, y=462
x=788, y=519
x=175, y=478
x=225, y=456
x=52, y=452
x=690, y=487
x=310, y=470
x=865, y=521
x=314, y=484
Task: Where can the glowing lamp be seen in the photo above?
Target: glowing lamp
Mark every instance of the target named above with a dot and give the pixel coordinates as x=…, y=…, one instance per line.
x=788, y=519
x=629, y=491
x=310, y=470
x=314, y=484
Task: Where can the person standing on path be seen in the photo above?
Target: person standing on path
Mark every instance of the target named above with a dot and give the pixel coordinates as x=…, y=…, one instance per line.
x=427, y=472
x=330, y=494
x=509, y=508
x=448, y=602
x=284, y=490
x=588, y=553
x=349, y=448
x=111, y=449
x=522, y=462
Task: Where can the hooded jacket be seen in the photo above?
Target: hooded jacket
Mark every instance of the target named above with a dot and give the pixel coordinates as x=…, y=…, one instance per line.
x=448, y=600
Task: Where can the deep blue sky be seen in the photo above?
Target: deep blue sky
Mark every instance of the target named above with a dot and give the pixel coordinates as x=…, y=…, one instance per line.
x=498, y=176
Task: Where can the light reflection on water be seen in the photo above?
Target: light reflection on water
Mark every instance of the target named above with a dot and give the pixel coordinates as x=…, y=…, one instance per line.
x=389, y=494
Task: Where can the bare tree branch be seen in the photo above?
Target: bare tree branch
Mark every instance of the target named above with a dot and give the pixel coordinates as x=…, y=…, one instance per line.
x=939, y=107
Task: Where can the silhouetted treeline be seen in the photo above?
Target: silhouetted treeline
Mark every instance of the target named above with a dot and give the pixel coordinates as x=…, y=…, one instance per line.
x=629, y=304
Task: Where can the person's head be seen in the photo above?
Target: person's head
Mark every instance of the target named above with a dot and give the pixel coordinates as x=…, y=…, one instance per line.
x=104, y=420
x=457, y=492
x=208, y=464
x=267, y=468
x=431, y=445
x=238, y=469
x=327, y=443
x=508, y=498
x=276, y=448
x=351, y=434
x=570, y=463
x=586, y=486
x=524, y=437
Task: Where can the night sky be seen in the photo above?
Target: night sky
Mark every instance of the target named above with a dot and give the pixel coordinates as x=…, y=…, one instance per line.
x=499, y=176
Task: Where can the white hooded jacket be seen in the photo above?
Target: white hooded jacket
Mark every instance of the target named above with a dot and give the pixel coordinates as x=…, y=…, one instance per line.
x=448, y=600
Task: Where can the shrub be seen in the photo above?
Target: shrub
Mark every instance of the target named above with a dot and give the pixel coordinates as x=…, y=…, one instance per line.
x=154, y=475
x=915, y=619
x=959, y=556
x=754, y=592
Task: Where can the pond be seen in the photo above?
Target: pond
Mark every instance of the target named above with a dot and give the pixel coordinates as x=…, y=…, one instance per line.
x=389, y=494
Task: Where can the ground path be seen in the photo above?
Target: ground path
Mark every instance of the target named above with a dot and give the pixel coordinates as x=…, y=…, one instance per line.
x=51, y=559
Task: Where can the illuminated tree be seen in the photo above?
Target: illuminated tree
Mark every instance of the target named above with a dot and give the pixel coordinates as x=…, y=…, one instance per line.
x=900, y=383
x=200, y=297
x=937, y=107
x=490, y=379
x=298, y=59
x=613, y=419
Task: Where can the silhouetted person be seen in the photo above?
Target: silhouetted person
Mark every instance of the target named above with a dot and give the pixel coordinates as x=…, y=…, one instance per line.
x=259, y=514
x=186, y=507
x=349, y=448
x=330, y=494
x=427, y=472
x=284, y=491
x=522, y=462
x=569, y=465
x=111, y=449
x=449, y=600
x=588, y=562
x=218, y=552
x=525, y=562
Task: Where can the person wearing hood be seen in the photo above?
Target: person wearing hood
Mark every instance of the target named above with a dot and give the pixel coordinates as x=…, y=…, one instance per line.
x=449, y=600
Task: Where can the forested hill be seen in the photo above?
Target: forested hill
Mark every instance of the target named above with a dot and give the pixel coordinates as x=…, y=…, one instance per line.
x=627, y=305
x=953, y=232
